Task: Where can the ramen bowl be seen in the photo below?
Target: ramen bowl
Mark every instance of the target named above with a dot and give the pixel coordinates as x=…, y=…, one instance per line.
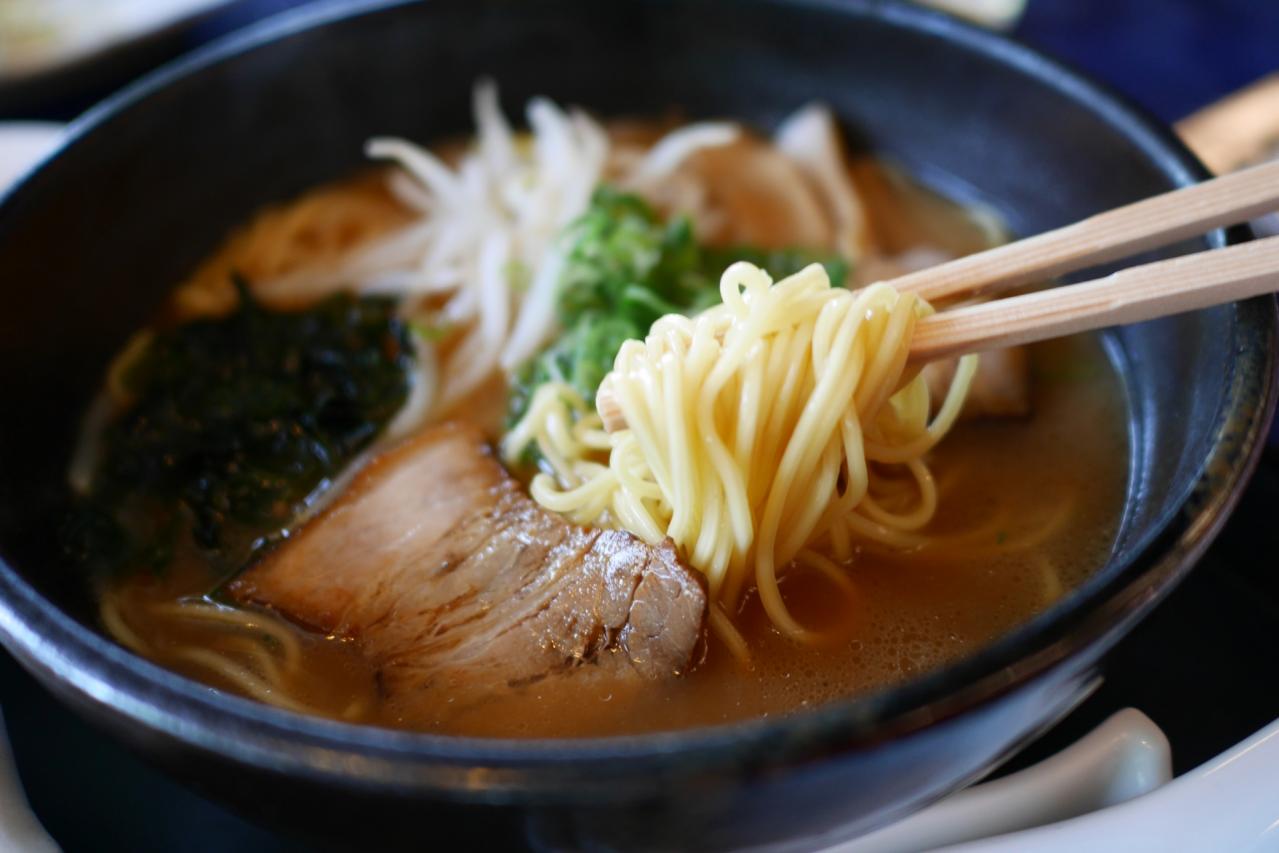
x=148, y=183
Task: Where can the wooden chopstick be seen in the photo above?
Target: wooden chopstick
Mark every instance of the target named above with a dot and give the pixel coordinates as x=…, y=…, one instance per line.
x=1144, y=292
x=1240, y=129
x=1148, y=224
x=1132, y=295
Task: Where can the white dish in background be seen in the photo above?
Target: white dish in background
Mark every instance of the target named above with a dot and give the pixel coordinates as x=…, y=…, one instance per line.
x=38, y=36
x=22, y=145
x=996, y=14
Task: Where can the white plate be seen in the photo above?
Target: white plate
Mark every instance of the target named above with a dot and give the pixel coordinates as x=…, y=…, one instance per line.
x=22, y=145
x=38, y=36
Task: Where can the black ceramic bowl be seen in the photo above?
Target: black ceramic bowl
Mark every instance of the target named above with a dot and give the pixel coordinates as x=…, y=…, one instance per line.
x=150, y=182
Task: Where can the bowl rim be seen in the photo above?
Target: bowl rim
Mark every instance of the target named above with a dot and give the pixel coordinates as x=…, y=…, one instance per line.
x=84, y=666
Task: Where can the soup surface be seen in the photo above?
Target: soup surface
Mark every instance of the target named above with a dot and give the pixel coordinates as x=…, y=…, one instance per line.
x=1028, y=507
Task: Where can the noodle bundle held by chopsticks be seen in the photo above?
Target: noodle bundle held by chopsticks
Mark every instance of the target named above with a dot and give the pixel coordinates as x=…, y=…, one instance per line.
x=780, y=421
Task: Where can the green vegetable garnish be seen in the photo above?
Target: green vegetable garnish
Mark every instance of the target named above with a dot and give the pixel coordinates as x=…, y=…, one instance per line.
x=236, y=424
x=623, y=270
x=430, y=332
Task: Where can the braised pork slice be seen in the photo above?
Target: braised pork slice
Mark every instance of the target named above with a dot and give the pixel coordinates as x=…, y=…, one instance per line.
x=1000, y=389
x=455, y=583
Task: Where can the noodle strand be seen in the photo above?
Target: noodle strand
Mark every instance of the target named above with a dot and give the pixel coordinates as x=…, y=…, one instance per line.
x=772, y=427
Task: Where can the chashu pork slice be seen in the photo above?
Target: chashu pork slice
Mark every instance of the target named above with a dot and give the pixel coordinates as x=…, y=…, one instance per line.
x=1000, y=389
x=456, y=584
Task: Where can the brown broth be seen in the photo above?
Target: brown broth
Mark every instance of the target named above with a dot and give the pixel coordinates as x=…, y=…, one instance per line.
x=912, y=612
x=170, y=618
x=1055, y=480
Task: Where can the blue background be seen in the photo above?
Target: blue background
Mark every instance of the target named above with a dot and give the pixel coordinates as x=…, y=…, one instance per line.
x=1170, y=56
